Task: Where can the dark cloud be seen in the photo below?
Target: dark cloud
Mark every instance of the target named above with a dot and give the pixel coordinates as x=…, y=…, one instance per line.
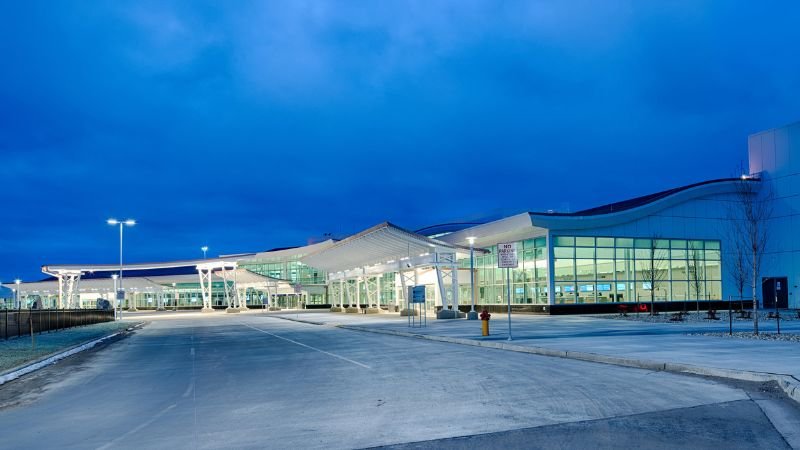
x=252, y=125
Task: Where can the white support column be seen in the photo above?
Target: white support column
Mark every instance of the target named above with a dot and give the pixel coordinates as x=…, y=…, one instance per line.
x=68, y=285
x=372, y=287
x=378, y=291
x=397, y=290
x=403, y=289
x=454, y=279
x=358, y=293
x=241, y=297
x=446, y=268
x=440, y=288
x=347, y=293
x=205, y=287
x=60, y=304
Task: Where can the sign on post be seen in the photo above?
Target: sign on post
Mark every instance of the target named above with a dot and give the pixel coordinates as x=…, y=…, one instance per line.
x=507, y=256
x=507, y=259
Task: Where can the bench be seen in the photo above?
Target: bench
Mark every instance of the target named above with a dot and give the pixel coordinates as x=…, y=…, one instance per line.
x=623, y=310
x=711, y=314
x=774, y=315
x=744, y=314
x=676, y=317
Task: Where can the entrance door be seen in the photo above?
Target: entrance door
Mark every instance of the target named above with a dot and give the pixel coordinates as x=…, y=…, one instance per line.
x=768, y=288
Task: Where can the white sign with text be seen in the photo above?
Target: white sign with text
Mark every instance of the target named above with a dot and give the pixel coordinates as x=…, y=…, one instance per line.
x=507, y=255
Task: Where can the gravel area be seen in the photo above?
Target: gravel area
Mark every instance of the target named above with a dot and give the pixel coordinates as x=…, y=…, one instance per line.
x=788, y=337
x=694, y=317
x=15, y=352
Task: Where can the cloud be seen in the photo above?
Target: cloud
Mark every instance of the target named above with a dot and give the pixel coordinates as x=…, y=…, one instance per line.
x=252, y=125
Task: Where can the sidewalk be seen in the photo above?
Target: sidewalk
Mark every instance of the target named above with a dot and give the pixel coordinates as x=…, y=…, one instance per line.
x=653, y=342
x=18, y=352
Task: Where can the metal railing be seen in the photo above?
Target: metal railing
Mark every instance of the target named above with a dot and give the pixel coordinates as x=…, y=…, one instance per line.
x=24, y=322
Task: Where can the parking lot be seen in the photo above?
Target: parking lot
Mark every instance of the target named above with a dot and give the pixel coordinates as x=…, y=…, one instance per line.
x=257, y=381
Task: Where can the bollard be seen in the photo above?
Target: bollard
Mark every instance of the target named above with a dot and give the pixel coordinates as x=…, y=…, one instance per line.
x=485, y=316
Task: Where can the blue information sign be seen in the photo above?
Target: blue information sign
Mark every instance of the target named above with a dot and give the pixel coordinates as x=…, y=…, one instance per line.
x=418, y=294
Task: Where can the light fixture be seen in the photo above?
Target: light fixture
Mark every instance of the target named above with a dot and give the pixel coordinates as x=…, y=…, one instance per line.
x=471, y=240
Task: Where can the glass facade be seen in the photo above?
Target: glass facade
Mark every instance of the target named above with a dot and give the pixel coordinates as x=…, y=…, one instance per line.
x=293, y=271
x=528, y=281
x=585, y=270
x=606, y=269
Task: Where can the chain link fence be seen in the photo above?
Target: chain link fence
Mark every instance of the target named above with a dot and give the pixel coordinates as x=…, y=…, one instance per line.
x=24, y=322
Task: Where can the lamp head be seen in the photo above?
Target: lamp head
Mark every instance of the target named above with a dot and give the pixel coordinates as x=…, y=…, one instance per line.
x=471, y=240
x=112, y=222
x=17, y=281
x=130, y=222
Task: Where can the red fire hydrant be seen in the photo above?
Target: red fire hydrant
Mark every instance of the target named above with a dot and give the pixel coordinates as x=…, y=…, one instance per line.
x=484, y=316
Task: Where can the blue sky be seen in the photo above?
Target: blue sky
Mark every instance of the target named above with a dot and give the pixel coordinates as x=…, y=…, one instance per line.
x=251, y=125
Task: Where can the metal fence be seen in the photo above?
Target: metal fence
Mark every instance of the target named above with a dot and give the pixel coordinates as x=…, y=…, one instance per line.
x=23, y=322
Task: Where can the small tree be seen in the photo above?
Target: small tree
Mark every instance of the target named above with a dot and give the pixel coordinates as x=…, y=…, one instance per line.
x=696, y=273
x=737, y=266
x=752, y=212
x=655, y=270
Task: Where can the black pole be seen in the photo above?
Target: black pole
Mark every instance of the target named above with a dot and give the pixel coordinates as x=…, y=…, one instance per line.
x=777, y=314
x=730, y=318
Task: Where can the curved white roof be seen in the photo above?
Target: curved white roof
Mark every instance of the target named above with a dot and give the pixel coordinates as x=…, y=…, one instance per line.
x=379, y=244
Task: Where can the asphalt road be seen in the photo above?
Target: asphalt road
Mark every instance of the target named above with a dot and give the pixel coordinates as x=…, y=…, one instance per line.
x=253, y=381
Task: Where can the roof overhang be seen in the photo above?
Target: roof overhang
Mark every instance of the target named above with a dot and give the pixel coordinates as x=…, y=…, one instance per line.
x=380, y=244
x=63, y=268
x=95, y=285
x=578, y=221
x=509, y=229
x=288, y=252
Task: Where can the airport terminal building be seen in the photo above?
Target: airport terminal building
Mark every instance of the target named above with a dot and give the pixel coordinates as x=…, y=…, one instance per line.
x=673, y=246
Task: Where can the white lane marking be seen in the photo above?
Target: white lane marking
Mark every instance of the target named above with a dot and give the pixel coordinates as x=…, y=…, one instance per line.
x=189, y=388
x=145, y=424
x=310, y=347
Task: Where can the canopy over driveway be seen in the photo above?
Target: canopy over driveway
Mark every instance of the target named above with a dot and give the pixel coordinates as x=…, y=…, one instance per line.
x=387, y=248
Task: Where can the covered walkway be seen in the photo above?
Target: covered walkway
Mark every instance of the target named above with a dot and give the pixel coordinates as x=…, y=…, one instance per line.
x=376, y=267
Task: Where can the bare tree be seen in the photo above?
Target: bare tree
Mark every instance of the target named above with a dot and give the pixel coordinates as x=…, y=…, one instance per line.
x=696, y=273
x=751, y=214
x=737, y=266
x=655, y=267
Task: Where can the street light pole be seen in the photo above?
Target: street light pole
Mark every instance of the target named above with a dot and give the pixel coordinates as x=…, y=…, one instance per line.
x=122, y=223
x=17, y=282
x=116, y=301
x=204, y=249
x=473, y=315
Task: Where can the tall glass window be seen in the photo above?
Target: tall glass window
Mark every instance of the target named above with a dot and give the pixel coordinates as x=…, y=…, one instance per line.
x=606, y=269
x=528, y=281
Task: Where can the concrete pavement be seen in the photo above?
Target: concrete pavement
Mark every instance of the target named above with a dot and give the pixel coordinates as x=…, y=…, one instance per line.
x=251, y=381
x=650, y=341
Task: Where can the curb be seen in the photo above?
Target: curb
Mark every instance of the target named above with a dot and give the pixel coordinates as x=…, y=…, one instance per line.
x=310, y=322
x=26, y=368
x=789, y=384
